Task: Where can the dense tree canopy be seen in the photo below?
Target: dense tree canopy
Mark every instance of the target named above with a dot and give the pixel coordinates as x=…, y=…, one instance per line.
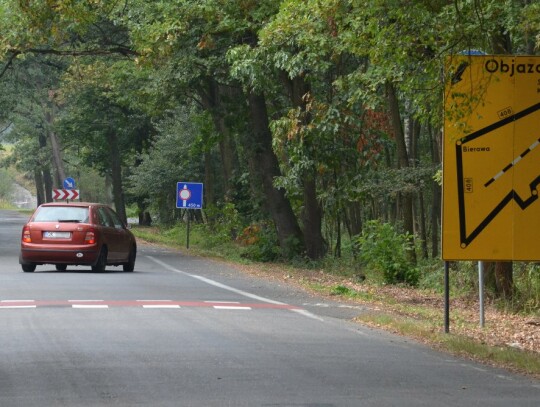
x=315, y=115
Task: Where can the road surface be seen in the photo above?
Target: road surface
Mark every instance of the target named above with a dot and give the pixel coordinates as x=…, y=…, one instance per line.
x=185, y=331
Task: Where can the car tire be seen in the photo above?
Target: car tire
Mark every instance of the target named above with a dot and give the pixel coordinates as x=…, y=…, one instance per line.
x=28, y=268
x=130, y=265
x=101, y=263
x=61, y=267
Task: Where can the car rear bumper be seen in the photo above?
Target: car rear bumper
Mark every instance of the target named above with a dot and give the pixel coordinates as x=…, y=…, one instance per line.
x=84, y=255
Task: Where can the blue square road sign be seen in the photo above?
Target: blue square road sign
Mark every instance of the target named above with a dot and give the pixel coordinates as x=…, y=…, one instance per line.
x=189, y=195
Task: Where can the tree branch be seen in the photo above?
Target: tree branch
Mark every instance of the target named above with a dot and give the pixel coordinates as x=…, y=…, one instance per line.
x=91, y=52
x=121, y=50
x=5, y=128
x=9, y=62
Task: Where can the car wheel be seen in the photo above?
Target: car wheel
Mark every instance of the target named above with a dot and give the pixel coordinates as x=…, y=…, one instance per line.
x=101, y=261
x=28, y=268
x=61, y=267
x=130, y=265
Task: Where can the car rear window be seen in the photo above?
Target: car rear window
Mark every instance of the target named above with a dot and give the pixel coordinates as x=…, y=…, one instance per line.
x=61, y=214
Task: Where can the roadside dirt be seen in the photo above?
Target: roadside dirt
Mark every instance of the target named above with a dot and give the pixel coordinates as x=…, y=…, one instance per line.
x=501, y=329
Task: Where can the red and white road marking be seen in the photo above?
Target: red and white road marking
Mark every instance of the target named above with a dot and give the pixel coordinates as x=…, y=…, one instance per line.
x=147, y=304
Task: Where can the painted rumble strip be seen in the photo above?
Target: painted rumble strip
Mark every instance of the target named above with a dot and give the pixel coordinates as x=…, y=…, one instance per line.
x=15, y=304
x=148, y=304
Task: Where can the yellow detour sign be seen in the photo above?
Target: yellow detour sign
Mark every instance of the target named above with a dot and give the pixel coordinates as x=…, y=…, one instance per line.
x=491, y=165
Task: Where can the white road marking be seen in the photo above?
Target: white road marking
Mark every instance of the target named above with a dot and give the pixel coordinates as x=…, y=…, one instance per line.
x=231, y=307
x=17, y=306
x=161, y=306
x=308, y=314
x=234, y=290
x=215, y=283
x=85, y=306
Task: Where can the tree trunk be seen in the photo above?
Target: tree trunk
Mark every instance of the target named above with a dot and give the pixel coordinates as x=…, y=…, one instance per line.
x=47, y=184
x=298, y=90
x=312, y=220
x=501, y=43
x=57, y=161
x=403, y=162
x=116, y=176
x=435, y=219
x=38, y=179
x=145, y=219
x=266, y=166
x=45, y=170
x=353, y=215
x=209, y=178
x=504, y=279
x=212, y=101
x=414, y=132
x=435, y=140
x=422, y=223
x=499, y=278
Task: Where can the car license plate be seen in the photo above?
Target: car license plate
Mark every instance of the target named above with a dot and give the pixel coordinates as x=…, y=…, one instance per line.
x=56, y=235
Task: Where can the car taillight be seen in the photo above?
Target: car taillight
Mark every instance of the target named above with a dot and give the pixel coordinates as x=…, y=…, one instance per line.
x=90, y=237
x=26, y=238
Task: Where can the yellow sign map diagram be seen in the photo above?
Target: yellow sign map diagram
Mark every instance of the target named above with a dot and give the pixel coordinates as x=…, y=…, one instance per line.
x=491, y=158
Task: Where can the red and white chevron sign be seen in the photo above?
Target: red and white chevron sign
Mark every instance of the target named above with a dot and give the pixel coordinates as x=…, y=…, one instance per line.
x=65, y=194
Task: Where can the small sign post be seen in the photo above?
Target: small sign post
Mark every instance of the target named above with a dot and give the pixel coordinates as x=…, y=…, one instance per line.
x=189, y=195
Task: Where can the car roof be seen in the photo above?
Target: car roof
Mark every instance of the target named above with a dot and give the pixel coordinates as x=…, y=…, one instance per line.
x=81, y=204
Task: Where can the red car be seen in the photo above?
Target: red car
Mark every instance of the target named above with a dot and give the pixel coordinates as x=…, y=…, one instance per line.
x=88, y=234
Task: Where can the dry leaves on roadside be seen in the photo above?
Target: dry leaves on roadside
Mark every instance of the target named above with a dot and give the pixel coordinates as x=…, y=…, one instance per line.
x=501, y=328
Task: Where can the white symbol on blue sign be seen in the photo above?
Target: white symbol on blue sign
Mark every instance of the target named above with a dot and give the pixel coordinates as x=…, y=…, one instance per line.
x=69, y=183
x=189, y=195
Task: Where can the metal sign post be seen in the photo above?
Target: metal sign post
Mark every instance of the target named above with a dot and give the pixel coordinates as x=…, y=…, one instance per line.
x=481, y=292
x=446, y=297
x=187, y=234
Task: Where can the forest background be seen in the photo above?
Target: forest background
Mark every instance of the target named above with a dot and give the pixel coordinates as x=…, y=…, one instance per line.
x=315, y=126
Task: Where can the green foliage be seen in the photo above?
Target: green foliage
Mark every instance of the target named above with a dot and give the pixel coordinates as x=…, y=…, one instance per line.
x=169, y=160
x=261, y=243
x=526, y=298
x=138, y=68
x=386, y=251
x=341, y=290
x=224, y=222
x=6, y=185
x=92, y=185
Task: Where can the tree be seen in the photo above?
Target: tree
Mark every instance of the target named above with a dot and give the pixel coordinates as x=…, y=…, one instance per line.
x=31, y=111
x=331, y=106
x=101, y=114
x=188, y=40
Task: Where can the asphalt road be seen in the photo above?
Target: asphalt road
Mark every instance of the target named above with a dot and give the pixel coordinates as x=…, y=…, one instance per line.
x=184, y=331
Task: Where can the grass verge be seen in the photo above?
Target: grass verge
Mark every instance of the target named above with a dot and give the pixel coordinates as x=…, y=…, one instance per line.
x=424, y=331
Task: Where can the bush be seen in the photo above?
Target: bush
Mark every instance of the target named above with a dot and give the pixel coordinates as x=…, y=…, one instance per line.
x=386, y=251
x=260, y=241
